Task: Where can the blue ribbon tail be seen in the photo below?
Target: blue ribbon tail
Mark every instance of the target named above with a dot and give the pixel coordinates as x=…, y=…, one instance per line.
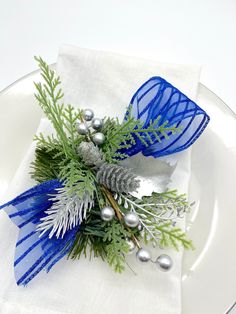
x=34, y=253
x=158, y=98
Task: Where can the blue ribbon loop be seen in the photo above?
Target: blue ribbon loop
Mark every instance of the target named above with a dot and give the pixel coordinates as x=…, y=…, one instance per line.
x=158, y=98
x=155, y=98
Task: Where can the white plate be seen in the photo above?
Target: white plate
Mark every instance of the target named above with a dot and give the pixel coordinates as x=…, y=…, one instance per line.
x=209, y=272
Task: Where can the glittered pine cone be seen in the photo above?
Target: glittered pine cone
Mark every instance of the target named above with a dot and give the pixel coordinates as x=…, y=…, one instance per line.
x=117, y=178
x=90, y=154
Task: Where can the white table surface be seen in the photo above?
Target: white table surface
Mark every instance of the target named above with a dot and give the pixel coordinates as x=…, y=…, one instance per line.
x=180, y=31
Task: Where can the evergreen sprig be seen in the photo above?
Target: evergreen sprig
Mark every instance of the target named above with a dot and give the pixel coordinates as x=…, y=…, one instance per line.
x=76, y=178
x=56, y=155
x=102, y=239
x=48, y=95
x=117, y=247
x=46, y=165
x=158, y=215
x=120, y=136
x=173, y=236
x=89, y=239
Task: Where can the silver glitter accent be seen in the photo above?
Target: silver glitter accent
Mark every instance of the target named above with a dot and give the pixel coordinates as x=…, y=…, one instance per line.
x=117, y=178
x=66, y=212
x=90, y=154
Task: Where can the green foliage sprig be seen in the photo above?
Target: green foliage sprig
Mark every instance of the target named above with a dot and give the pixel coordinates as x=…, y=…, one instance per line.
x=158, y=214
x=89, y=240
x=117, y=247
x=49, y=96
x=124, y=135
x=56, y=155
x=101, y=239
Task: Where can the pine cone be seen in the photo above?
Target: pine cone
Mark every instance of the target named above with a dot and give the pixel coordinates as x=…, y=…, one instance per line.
x=90, y=154
x=117, y=178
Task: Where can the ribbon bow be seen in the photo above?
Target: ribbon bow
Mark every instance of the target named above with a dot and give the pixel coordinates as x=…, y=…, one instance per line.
x=155, y=98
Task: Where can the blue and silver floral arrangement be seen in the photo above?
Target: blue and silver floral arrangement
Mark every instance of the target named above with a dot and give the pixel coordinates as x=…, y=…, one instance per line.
x=84, y=202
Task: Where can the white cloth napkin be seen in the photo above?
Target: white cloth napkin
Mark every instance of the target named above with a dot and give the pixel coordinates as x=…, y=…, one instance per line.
x=104, y=82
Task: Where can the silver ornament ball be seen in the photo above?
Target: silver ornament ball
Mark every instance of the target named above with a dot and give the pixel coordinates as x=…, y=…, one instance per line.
x=97, y=124
x=131, y=245
x=82, y=128
x=98, y=138
x=88, y=114
x=143, y=256
x=131, y=219
x=107, y=213
x=164, y=262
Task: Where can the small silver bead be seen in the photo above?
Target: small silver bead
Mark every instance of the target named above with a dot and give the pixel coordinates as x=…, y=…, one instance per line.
x=82, y=128
x=97, y=124
x=131, y=245
x=164, y=262
x=131, y=219
x=143, y=256
x=88, y=114
x=107, y=213
x=98, y=138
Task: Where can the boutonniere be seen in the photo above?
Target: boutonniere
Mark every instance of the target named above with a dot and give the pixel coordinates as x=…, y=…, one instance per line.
x=85, y=200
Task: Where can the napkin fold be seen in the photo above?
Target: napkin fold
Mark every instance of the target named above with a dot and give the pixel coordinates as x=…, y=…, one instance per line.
x=104, y=82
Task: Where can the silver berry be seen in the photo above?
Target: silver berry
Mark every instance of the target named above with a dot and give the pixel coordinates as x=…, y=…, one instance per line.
x=97, y=124
x=164, y=262
x=143, y=256
x=107, y=213
x=131, y=245
x=131, y=219
x=98, y=138
x=88, y=114
x=82, y=128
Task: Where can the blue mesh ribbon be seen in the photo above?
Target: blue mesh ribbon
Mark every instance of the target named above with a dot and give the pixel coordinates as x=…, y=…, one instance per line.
x=155, y=98
x=158, y=98
x=34, y=253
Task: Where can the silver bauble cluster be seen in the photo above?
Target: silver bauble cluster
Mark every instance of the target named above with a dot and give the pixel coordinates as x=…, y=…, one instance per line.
x=91, y=122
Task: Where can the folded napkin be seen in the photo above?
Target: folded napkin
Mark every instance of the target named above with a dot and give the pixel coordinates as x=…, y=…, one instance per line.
x=105, y=83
